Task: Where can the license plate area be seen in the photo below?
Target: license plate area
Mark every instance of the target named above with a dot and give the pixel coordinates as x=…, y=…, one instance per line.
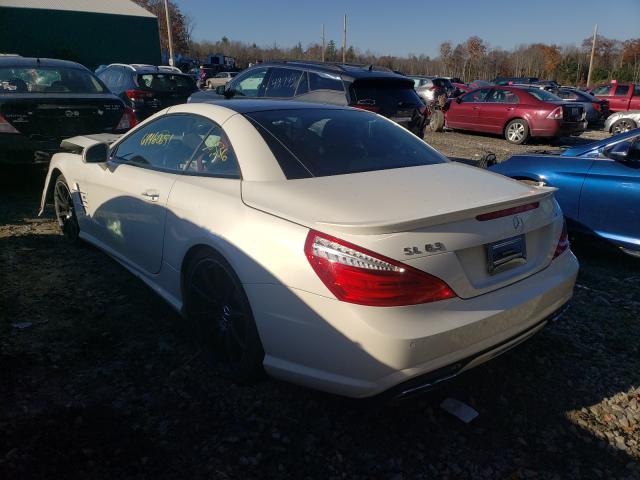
x=506, y=254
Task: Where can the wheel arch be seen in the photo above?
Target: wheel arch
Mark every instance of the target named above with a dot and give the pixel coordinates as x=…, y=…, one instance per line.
x=191, y=252
x=50, y=183
x=518, y=117
x=196, y=248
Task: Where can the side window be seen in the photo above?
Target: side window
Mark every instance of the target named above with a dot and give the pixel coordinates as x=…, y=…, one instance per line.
x=476, y=96
x=215, y=156
x=502, y=96
x=603, y=90
x=634, y=150
x=303, y=84
x=636, y=91
x=166, y=144
x=251, y=84
x=282, y=82
x=325, y=81
x=622, y=90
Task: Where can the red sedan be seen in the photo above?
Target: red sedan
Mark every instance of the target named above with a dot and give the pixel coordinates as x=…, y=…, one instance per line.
x=517, y=113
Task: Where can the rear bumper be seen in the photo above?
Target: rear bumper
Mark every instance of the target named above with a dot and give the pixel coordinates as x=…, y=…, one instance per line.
x=16, y=148
x=554, y=128
x=361, y=351
x=431, y=380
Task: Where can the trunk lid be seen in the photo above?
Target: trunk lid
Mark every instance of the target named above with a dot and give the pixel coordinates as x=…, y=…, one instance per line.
x=56, y=116
x=424, y=216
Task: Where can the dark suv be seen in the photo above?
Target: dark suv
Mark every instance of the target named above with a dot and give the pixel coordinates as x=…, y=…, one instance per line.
x=147, y=88
x=365, y=87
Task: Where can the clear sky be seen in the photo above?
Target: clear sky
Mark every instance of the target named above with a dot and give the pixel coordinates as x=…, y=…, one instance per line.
x=412, y=26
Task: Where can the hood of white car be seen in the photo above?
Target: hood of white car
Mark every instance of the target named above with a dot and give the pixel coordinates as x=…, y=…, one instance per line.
x=387, y=201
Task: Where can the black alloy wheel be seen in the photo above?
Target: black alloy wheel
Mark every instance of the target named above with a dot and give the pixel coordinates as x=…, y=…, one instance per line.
x=216, y=304
x=65, y=209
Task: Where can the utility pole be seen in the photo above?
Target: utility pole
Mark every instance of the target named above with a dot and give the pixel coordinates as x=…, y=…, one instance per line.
x=323, y=47
x=593, y=52
x=344, y=40
x=166, y=10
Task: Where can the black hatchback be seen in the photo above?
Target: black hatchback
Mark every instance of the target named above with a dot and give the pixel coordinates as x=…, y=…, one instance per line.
x=148, y=89
x=43, y=101
x=365, y=87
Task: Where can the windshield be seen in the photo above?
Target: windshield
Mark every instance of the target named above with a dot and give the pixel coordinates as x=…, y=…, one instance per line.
x=165, y=82
x=318, y=142
x=48, y=80
x=543, y=95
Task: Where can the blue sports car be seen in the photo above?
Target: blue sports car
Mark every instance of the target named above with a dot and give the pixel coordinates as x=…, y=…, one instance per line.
x=598, y=186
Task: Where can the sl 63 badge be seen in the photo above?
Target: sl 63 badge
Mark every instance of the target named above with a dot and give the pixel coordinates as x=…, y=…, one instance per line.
x=429, y=249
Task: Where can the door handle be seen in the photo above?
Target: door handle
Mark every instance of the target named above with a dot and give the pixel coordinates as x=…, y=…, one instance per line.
x=509, y=109
x=151, y=195
x=476, y=108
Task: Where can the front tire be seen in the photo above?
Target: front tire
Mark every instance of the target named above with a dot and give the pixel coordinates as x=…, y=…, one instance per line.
x=623, y=125
x=65, y=209
x=220, y=313
x=516, y=131
x=436, y=122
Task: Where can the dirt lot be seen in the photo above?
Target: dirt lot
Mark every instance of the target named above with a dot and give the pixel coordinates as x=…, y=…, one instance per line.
x=459, y=145
x=100, y=380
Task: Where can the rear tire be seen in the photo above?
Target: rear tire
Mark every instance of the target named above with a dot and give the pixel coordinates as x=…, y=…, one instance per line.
x=436, y=122
x=218, y=308
x=516, y=131
x=65, y=209
x=623, y=125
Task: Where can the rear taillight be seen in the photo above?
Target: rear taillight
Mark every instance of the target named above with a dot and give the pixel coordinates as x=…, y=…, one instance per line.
x=356, y=275
x=138, y=95
x=596, y=106
x=507, y=211
x=128, y=119
x=370, y=108
x=556, y=114
x=563, y=242
x=6, y=127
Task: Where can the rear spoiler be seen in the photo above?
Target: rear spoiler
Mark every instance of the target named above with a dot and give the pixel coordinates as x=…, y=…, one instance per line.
x=535, y=194
x=79, y=144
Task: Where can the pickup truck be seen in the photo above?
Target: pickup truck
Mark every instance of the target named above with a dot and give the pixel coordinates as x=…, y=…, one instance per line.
x=621, y=96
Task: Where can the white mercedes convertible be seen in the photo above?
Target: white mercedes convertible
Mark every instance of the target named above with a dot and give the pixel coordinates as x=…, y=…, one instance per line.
x=324, y=245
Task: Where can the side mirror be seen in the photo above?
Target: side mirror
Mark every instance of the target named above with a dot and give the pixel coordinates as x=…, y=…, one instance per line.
x=620, y=152
x=96, y=153
x=458, y=99
x=220, y=89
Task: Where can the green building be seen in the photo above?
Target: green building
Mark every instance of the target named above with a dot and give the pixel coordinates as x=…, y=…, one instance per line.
x=90, y=32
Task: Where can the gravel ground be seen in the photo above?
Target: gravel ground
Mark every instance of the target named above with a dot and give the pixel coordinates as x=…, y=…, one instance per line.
x=473, y=147
x=102, y=381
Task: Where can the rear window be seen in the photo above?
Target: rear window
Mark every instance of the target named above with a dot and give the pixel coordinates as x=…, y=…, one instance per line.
x=543, y=95
x=324, y=142
x=388, y=96
x=165, y=82
x=443, y=83
x=48, y=80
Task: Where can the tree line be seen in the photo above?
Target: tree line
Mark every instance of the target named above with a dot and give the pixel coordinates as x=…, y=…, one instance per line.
x=470, y=60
